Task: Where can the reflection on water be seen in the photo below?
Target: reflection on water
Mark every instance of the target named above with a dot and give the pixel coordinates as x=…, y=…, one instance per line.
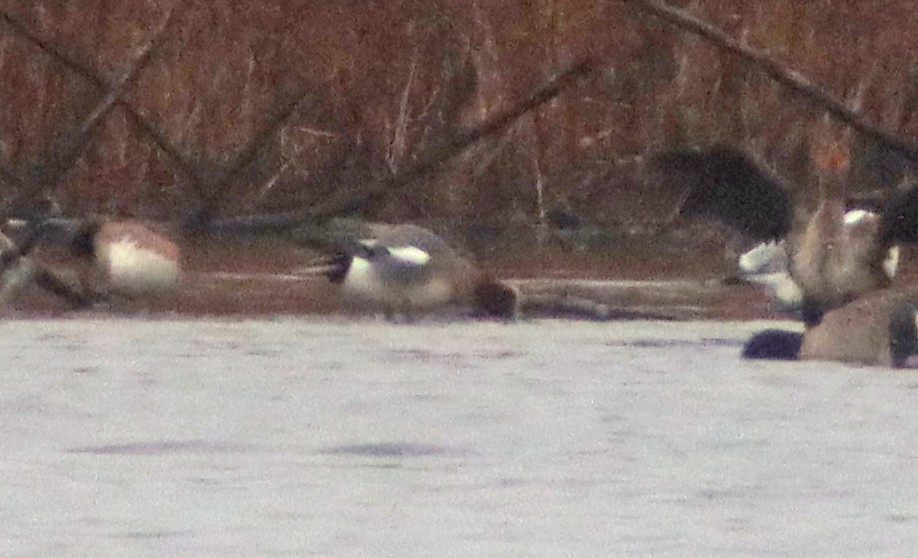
x=163, y=447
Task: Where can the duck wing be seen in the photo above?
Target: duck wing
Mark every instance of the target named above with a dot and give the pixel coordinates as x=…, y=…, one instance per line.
x=403, y=258
x=725, y=184
x=899, y=218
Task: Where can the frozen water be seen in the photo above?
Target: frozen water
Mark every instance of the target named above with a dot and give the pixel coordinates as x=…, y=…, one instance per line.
x=362, y=438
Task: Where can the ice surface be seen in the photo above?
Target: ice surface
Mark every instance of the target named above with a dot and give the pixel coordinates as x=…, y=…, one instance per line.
x=363, y=438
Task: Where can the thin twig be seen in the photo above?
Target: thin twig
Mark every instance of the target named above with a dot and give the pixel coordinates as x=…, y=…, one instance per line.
x=272, y=181
x=218, y=193
x=789, y=78
x=398, y=145
x=459, y=141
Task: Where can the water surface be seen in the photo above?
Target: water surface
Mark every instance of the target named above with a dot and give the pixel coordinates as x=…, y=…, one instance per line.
x=343, y=437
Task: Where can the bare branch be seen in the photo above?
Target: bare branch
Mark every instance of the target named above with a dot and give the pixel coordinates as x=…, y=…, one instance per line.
x=218, y=193
x=18, y=270
x=388, y=186
x=789, y=78
x=147, y=130
x=81, y=138
x=459, y=141
x=399, y=143
x=556, y=305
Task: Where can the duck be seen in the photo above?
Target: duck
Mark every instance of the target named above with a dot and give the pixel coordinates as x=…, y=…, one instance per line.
x=114, y=258
x=725, y=184
x=876, y=330
x=128, y=258
x=839, y=264
x=831, y=257
x=767, y=264
x=879, y=329
x=406, y=269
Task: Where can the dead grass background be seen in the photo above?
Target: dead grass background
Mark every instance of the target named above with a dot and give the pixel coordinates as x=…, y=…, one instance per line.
x=382, y=82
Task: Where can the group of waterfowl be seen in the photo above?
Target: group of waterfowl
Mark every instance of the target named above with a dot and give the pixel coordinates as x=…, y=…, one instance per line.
x=832, y=267
x=398, y=270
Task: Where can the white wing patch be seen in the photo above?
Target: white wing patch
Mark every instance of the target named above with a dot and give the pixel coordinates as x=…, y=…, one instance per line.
x=360, y=279
x=411, y=255
x=766, y=264
x=855, y=216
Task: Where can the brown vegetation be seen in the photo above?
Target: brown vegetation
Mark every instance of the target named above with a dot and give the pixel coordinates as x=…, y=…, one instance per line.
x=370, y=87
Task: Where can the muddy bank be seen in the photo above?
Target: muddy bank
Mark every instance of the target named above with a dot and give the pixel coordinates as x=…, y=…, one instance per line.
x=255, y=278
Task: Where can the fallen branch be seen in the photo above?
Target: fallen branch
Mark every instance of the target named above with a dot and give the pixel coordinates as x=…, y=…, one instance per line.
x=789, y=78
x=567, y=306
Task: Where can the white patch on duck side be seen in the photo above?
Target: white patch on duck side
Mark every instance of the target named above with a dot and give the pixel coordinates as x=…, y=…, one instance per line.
x=767, y=257
x=766, y=264
x=785, y=291
x=133, y=269
x=891, y=263
x=360, y=280
x=362, y=284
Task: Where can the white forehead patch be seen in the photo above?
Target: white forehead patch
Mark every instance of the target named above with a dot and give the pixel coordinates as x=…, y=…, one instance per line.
x=411, y=255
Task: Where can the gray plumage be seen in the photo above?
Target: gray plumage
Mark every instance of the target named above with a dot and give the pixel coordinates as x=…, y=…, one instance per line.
x=405, y=269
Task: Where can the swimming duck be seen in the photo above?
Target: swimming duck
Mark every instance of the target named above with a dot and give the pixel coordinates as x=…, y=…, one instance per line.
x=405, y=269
x=128, y=258
x=114, y=258
x=875, y=330
x=767, y=264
